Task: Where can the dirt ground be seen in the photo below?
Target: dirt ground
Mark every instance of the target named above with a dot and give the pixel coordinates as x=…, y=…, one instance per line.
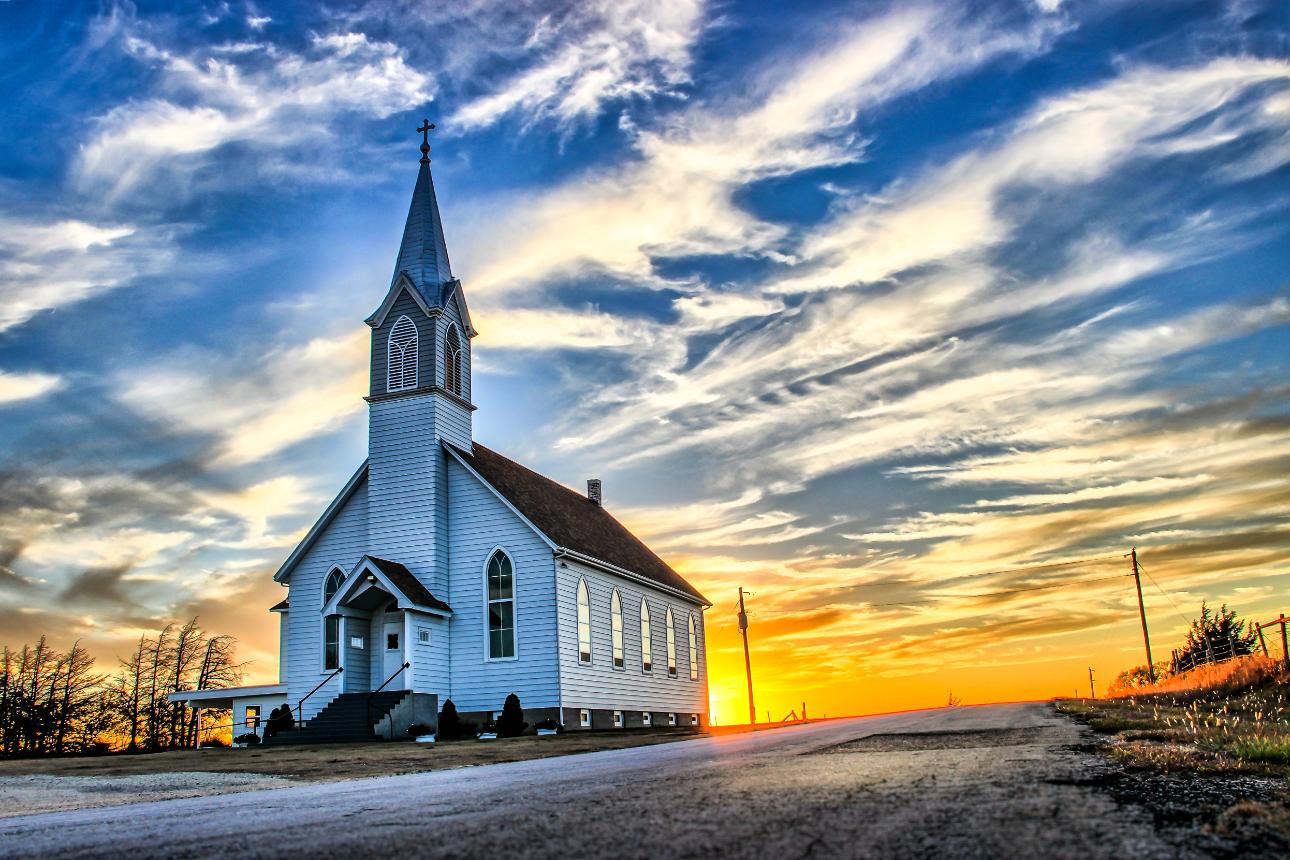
x=328, y=762
x=30, y=786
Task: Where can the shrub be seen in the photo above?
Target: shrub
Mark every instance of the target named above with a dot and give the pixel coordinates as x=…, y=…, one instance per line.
x=512, y=722
x=488, y=728
x=449, y=723
x=548, y=723
x=418, y=729
x=250, y=738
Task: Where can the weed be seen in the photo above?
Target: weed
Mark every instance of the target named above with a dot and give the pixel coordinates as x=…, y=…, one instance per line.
x=1260, y=750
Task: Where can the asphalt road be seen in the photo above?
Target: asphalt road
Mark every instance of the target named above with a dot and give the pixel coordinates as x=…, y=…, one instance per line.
x=991, y=781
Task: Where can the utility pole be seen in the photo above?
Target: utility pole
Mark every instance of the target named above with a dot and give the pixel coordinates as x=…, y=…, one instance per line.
x=743, y=630
x=1142, y=613
x=1092, y=694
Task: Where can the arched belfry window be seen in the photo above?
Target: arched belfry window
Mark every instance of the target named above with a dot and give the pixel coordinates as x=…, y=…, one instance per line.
x=402, y=368
x=452, y=361
x=501, y=607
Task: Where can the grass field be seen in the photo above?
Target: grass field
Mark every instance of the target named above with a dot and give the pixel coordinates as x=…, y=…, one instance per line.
x=1230, y=717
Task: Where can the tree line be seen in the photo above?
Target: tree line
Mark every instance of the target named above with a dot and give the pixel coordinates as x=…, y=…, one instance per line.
x=58, y=703
x=1211, y=636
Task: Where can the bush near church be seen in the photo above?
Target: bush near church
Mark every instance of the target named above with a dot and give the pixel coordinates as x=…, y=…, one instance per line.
x=512, y=724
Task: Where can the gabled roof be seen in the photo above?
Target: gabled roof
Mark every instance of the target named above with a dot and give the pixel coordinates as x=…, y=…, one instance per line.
x=423, y=254
x=281, y=606
x=411, y=587
x=570, y=520
x=383, y=579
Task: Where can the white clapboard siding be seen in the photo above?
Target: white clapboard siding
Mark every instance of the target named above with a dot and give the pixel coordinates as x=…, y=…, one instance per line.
x=407, y=485
x=479, y=523
x=341, y=544
x=598, y=684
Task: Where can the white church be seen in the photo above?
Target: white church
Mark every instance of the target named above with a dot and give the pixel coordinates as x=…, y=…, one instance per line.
x=444, y=570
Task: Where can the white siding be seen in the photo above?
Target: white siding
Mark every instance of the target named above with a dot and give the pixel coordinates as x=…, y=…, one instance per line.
x=343, y=543
x=479, y=523
x=406, y=485
x=430, y=662
x=598, y=684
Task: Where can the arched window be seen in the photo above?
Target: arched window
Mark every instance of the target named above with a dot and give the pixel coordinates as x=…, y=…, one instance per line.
x=671, y=645
x=401, y=369
x=332, y=584
x=501, y=607
x=694, y=652
x=452, y=360
x=616, y=628
x=584, y=623
x=647, y=656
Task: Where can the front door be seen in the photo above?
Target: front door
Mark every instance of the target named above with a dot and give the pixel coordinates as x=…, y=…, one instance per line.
x=392, y=642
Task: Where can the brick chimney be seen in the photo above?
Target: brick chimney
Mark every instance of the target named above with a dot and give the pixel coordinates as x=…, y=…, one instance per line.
x=593, y=490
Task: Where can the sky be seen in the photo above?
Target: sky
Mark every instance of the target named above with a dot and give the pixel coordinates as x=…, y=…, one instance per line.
x=911, y=319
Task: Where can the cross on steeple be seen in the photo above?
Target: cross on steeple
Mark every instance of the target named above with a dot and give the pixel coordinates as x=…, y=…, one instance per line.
x=426, y=127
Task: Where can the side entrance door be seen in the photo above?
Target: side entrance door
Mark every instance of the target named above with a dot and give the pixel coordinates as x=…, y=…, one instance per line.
x=392, y=656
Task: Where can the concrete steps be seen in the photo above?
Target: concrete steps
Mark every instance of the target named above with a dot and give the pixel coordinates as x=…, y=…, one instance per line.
x=345, y=719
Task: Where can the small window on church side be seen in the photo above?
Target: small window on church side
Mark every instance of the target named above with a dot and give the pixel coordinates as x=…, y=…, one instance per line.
x=402, y=368
x=616, y=628
x=694, y=652
x=452, y=361
x=584, y=623
x=501, y=607
x=671, y=645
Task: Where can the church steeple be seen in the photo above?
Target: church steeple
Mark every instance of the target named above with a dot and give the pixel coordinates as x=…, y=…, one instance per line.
x=423, y=254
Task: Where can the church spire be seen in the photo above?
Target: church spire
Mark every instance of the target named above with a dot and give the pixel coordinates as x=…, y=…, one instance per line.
x=423, y=255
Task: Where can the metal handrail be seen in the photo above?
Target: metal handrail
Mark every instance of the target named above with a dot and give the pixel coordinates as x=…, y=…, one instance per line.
x=300, y=706
x=399, y=671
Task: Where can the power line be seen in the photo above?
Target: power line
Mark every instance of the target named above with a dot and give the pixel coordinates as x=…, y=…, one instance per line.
x=1163, y=594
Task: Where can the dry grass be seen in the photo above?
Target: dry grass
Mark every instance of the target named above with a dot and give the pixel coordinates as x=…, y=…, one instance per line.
x=330, y=762
x=1230, y=717
x=1231, y=676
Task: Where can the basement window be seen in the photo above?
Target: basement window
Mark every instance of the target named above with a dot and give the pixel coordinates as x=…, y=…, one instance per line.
x=618, y=719
x=671, y=719
x=646, y=719
x=584, y=718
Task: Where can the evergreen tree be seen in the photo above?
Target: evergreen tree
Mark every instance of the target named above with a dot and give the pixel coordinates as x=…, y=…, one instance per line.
x=512, y=722
x=449, y=722
x=1216, y=636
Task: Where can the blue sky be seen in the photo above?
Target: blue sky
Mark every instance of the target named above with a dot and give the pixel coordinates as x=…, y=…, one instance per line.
x=842, y=303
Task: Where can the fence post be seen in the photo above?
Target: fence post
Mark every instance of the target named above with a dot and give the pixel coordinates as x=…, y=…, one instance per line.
x=1263, y=642
x=1285, y=652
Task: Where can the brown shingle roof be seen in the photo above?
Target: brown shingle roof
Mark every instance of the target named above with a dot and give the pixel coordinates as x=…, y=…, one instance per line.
x=570, y=520
x=411, y=587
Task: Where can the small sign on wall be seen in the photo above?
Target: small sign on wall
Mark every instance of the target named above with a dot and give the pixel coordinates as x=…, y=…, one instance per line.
x=357, y=642
x=423, y=635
